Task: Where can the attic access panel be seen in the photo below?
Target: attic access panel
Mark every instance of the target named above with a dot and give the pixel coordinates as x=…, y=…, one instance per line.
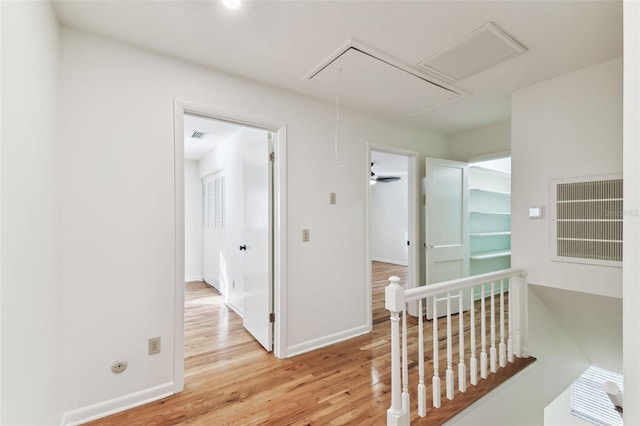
x=369, y=77
x=484, y=48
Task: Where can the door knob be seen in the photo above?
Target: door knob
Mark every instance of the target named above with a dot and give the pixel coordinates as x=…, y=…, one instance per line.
x=243, y=247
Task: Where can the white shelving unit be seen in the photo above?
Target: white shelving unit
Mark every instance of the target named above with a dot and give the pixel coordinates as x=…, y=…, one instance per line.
x=489, y=219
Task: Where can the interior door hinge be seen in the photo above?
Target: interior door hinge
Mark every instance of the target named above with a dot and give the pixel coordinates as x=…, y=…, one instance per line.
x=272, y=317
x=272, y=156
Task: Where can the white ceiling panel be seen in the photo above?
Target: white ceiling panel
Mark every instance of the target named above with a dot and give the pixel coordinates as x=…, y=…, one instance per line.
x=364, y=76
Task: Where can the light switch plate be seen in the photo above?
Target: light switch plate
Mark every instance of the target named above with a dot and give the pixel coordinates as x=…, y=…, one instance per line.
x=535, y=212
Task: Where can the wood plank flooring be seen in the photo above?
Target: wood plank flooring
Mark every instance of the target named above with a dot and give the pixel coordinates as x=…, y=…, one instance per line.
x=231, y=380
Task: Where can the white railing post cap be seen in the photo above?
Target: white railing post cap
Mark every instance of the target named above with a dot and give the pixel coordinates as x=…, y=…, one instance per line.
x=394, y=295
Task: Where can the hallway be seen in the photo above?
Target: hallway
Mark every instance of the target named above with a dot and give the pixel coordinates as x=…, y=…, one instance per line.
x=231, y=380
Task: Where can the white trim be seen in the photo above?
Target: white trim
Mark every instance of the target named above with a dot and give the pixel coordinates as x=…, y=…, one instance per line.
x=235, y=308
x=413, y=258
x=328, y=340
x=194, y=278
x=280, y=253
x=178, y=310
x=116, y=405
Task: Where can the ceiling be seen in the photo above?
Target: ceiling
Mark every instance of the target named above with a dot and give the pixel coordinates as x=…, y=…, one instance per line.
x=387, y=164
x=215, y=132
x=281, y=42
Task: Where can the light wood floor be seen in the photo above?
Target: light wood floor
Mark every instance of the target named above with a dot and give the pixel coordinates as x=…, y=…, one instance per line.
x=231, y=380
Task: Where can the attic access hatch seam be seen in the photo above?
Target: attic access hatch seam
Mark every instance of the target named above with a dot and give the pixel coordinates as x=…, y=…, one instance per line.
x=372, y=77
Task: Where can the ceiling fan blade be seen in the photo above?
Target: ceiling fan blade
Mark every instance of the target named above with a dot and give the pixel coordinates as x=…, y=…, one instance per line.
x=388, y=178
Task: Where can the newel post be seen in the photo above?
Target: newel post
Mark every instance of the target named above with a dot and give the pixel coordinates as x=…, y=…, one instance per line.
x=394, y=303
x=521, y=320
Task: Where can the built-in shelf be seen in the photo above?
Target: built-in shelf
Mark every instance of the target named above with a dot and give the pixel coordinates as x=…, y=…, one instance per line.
x=489, y=219
x=491, y=171
x=489, y=234
x=490, y=254
x=489, y=192
x=492, y=213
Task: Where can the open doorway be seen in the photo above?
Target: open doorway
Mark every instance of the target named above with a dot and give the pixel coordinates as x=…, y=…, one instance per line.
x=234, y=176
x=245, y=242
x=392, y=223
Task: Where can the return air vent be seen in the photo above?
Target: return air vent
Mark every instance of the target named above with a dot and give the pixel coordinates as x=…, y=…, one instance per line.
x=199, y=135
x=484, y=48
x=587, y=220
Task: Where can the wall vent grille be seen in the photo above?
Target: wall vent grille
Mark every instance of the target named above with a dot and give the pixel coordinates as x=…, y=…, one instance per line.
x=587, y=220
x=199, y=135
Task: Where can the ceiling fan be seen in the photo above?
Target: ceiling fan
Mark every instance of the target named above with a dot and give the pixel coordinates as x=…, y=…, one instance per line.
x=384, y=179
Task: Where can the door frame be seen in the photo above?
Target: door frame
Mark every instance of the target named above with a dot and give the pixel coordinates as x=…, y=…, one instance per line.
x=279, y=225
x=413, y=223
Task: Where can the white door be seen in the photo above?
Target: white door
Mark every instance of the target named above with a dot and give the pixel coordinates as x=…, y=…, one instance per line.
x=256, y=243
x=447, y=240
x=213, y=200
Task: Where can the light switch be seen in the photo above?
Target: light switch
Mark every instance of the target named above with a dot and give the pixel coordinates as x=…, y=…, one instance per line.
x=535, y=212
x=305, y=235
x=332, y=198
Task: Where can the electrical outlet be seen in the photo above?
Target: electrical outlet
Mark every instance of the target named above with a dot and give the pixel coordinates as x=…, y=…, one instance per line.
x=119, y=366
x=154, y=345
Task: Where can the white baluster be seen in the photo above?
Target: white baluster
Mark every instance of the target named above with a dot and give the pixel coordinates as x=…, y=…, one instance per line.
x=449, y=374
x=422, y=389
x=483, y=336
x=517, y=346
x=473, y=361
x=405, y=364
x=510, y=325
x=493, y=351
x=502, y=348
x=462, y=369
x=435, y=384
x=394, y=302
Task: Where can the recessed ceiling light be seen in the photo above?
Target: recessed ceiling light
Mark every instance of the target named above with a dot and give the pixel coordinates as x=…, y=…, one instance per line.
x=232, y=4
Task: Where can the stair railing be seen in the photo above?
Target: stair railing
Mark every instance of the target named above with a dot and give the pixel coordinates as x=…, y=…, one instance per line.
x=510, y=334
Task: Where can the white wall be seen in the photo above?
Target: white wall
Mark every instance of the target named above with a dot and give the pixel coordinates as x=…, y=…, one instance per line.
x=29, y=227
x=118, y=220
x=389, y=221
x=516, y=402
x=558, y=413
x=481, y=142
x=569, y=126
x=192, y=222
x=631, y=301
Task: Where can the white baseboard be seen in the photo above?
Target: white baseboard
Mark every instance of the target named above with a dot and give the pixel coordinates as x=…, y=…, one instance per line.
x=189, y=279
x=391, y=261
x=235, y=308
x=327, y=340
x=116, y=405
